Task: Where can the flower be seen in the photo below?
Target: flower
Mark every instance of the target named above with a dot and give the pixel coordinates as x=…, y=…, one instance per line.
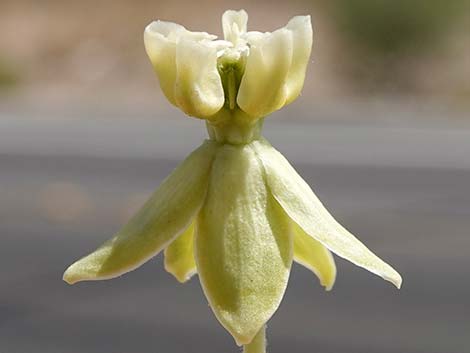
x=234, y=211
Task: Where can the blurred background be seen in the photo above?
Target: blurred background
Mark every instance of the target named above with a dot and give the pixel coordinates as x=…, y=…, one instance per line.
x=381, y=131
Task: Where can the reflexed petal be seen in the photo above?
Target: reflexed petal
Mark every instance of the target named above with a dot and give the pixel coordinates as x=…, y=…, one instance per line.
x=199, y=90
x=314, y=256
x=262, y=89
x=304, y=208
x=168, y=213
x=234, y=23
x=243, y=244
x=301, y=28
x=160, y=40
x=179, y=256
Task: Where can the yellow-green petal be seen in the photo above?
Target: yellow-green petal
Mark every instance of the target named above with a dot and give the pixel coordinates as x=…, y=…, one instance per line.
x=262, y=88
x=162, y=53
x=167, y=214
x=179, y=256
x=304, y=208
x=160, y=39
x=301, y=28
x=198, y=91
x=311, y=254
x=243, y=244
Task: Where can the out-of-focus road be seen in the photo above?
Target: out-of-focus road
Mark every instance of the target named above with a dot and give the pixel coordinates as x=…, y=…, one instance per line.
x=67, y=185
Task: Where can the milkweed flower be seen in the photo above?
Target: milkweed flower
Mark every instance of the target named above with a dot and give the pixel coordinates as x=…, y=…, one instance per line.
x=234, y=211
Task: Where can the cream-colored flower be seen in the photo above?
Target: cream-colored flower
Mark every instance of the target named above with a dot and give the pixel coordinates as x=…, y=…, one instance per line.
x=235, y=211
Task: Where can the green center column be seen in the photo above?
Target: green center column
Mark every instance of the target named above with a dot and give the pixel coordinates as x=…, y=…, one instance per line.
x=234, y=127
x=231, y=124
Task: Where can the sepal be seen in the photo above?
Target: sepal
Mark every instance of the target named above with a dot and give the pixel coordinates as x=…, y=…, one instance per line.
x=305, y=209
x=166, y=215
x=243, y=244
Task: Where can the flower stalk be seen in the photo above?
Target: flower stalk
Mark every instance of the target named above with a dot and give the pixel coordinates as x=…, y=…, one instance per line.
x=258, y=345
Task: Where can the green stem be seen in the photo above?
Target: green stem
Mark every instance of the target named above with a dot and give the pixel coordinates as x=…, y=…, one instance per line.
x=258, y=345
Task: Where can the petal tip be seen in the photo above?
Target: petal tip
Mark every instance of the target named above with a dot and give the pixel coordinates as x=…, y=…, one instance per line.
x=180, y=276
x=77, y=272
x=392, y=276
x=69, y=276
x=242, y=339
x=297, y=23
x=328, y=286
x=397, y=280
x=329, y=282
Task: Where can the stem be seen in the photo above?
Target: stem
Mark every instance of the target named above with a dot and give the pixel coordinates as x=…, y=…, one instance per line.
x=258, y=345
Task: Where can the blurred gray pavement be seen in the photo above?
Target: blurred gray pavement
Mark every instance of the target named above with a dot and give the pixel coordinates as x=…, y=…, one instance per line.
x=66, y=185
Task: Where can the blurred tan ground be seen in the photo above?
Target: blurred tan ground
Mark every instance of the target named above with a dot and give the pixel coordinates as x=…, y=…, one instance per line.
x=61, y=53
